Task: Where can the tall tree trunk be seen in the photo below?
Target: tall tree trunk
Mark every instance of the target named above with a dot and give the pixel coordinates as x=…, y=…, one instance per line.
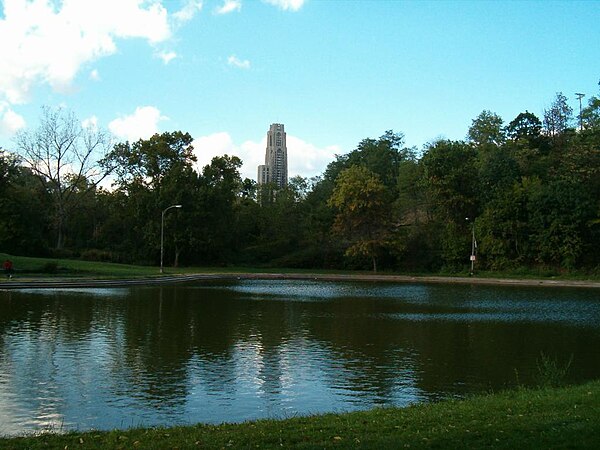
x=60, y=238
x=176, y=261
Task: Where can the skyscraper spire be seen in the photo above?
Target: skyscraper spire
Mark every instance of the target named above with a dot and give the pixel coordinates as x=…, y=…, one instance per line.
x=275, y=168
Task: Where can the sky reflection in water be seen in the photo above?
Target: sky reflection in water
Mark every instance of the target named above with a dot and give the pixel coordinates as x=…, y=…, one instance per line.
x=116, y=358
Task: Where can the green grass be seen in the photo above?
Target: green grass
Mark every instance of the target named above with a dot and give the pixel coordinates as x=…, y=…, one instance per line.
x=51, y=267
x=544, y=418
x=28, y=267
x=539, y=273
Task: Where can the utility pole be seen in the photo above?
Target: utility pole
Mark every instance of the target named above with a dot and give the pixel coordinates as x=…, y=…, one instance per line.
x=473, y=245
x=579, y=97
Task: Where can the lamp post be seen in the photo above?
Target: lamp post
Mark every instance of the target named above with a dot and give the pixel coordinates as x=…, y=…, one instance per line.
x=473, y=245
x=162, y=234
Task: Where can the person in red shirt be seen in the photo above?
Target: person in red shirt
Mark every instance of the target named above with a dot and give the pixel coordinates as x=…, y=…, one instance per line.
x=8, y=268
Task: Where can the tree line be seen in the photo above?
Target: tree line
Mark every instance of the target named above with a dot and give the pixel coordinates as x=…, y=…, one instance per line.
x=529, y=189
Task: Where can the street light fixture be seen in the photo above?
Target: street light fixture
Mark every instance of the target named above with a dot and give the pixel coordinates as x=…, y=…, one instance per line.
x=162, y=234
x=473, y=245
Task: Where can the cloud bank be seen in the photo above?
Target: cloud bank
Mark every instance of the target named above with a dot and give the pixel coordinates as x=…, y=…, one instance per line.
x=229, y=6
x=142, y=124
x=304, y=159
x=189, y=11
x=46, y=42
x=49, y=42
x=10, y=121
x=286, y=5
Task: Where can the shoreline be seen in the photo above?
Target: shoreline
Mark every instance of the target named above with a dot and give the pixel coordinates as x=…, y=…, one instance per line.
x=73, y=283
x=559, y=417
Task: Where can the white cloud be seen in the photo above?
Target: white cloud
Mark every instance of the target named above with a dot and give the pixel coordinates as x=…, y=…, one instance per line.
x=46, y=41
x=90, y=122
x=229, y=6
x=142, y=124
x=287, y=5
x=167, y=57
x=240, y=64
x=216, y=144
x=304, y=159
x=188, y=12
x=94, y=75
x=10, y=121
x=307, y=159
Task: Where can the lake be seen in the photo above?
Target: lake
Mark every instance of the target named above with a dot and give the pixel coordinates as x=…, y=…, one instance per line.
x=105, y=358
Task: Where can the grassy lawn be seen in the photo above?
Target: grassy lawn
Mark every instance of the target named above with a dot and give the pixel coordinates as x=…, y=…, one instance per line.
x=544, y=418
x=27, y=267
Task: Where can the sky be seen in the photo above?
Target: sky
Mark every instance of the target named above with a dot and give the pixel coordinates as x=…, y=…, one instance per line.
x=334, y=72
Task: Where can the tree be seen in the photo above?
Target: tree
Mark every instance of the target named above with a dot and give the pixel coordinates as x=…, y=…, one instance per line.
x=9, y=167
x=486, y=129
x=525, y=126
x=381, y=156
x=148, y=161
x=503, y=226
x=248, y=189
x=558, y=118
x=590, y=115
x=497, y=171
x=360, y=199
x=561, y=214
x=411, y=197
x=153, y=174
x=64, y=155
x=23, y=211
x=450, y=177
x=219, y=188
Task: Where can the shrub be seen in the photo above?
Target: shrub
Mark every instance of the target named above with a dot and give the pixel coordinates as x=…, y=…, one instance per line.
x=50, y=267
x=550, y=373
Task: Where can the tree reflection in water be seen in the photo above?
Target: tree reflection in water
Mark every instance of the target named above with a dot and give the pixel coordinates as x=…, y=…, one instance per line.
x=111, y=358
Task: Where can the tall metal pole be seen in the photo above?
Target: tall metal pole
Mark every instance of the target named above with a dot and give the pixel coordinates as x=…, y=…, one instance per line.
x=162, y=234
x=473, y=249
x=472, y=258
x=579, y=97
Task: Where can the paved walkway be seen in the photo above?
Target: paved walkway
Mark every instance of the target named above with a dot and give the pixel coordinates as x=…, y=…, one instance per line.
x=40, y=283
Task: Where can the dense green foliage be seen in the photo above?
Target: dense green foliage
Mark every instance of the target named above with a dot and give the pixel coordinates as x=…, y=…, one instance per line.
x=531, y=186
x=545, y=418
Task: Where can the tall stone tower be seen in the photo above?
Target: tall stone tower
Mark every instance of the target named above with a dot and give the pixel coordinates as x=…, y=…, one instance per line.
x=275, y=168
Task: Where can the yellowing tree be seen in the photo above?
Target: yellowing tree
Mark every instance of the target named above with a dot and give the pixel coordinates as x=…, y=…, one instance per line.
x=360, y=199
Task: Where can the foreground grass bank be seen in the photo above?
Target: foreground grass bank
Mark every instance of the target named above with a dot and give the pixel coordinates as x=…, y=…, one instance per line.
x=545, y=418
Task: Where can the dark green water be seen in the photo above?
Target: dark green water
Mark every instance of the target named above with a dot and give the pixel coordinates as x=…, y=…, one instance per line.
x=116, y=358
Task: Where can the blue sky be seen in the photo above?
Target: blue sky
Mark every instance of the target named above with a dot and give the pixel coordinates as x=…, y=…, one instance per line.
x=333, y=71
